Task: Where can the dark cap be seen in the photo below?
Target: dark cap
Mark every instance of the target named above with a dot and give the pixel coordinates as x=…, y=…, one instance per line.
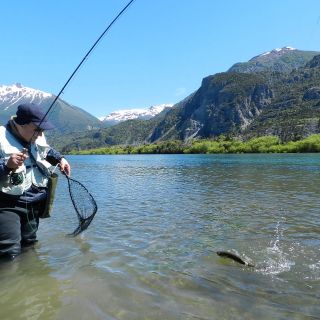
x=32, y=113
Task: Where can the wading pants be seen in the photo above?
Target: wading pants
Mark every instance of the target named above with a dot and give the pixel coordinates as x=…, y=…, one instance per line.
x=18, y=228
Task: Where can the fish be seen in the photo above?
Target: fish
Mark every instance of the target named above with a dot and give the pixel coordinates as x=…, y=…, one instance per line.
x=234, y=257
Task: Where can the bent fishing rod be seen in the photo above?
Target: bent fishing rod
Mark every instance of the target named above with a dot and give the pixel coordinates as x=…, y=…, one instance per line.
x=83, y=202
x=85, y=58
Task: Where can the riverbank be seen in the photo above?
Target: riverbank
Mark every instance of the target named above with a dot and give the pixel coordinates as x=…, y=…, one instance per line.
x=266, y=144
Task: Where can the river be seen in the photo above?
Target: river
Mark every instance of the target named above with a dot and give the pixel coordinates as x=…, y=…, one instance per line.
x=150, y=252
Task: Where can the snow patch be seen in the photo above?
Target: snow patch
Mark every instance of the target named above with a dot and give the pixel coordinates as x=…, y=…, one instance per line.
x=277, y=50
x=129, y=114
x=10, y=95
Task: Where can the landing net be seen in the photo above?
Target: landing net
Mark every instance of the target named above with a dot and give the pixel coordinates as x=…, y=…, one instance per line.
x=84, y=204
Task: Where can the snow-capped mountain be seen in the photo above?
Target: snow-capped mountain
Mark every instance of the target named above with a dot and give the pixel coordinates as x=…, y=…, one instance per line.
x=17, y=94
x=66, y=117
x=129, y=114
x=283, y=59
x=274, y=53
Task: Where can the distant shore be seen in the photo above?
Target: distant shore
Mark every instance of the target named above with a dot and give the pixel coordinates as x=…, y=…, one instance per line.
x=265, y=144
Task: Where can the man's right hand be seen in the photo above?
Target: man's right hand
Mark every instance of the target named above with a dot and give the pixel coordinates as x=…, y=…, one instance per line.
x=16, y=160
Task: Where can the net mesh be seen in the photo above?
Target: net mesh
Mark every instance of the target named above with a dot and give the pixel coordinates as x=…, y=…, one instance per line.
x=84, y=204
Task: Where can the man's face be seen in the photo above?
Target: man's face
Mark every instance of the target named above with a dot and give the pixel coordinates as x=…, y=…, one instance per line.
x=30, y=132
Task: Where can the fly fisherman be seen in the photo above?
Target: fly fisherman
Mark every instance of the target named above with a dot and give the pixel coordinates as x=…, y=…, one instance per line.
x=25, y=160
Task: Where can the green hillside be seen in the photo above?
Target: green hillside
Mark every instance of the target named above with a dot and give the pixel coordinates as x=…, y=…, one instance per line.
x=233, y=104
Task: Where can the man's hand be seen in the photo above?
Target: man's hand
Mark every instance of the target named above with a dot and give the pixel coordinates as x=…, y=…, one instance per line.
x=65, y=167
x=16, y=160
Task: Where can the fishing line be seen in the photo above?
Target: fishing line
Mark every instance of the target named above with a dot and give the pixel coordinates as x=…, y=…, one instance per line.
x=85, y=58
x=83, y=202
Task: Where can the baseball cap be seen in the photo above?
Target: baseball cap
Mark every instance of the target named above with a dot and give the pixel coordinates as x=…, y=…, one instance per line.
x=32, y=113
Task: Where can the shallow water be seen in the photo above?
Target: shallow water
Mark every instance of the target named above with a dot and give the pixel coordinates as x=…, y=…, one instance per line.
x=150, y=251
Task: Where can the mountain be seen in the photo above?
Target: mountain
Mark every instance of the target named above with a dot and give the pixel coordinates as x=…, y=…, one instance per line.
x=225, y=102
x=10, y=95
x=283, y=59
x=286, y=104
x=129, y=114
x=66, y=117
x=242, y=104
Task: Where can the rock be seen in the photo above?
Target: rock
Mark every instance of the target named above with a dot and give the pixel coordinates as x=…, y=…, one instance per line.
x=312, y=94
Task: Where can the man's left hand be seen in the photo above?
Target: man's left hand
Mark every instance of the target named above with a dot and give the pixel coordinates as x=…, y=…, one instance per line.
x=65, y=167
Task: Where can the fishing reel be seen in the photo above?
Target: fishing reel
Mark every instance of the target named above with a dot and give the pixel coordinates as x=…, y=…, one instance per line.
x=16, y=178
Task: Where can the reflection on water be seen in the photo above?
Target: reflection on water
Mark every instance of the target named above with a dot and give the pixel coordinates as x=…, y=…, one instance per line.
x=150, y=251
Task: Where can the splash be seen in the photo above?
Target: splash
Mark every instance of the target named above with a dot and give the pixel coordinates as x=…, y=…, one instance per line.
x=277, y=260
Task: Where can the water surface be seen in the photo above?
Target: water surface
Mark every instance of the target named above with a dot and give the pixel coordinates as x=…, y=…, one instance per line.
x=150, y=251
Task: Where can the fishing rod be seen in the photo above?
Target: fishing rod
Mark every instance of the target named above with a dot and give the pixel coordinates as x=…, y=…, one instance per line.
x=85, y=58
x=83, y=202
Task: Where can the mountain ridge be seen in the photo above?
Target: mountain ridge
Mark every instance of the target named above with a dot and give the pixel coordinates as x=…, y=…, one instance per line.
x=13, y=95
x=238, y=104
x=66, y=117
x=9, y=95
x=241, y=103
x=283, y=59
x=135, y=113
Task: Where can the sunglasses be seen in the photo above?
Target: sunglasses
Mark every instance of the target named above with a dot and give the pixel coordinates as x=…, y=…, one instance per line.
x=38, y=130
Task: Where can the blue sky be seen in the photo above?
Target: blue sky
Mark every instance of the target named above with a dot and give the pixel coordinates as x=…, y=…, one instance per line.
x=158, y=52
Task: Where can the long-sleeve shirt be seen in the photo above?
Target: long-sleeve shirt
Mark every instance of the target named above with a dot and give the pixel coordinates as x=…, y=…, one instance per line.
x=53, y=157
x=33, y=194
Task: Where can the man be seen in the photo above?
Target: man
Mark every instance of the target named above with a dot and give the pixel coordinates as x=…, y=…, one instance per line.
x=25, y=160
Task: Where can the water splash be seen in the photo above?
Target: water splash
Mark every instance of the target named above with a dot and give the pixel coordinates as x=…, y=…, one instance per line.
x=277, y=260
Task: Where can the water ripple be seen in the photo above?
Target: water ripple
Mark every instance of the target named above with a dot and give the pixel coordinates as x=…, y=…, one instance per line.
x=150, y=251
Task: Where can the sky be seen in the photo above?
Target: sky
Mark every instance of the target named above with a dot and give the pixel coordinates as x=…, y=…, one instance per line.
x=157, y=52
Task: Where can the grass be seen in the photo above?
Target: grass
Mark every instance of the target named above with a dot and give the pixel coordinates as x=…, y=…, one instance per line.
x=265, y=144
